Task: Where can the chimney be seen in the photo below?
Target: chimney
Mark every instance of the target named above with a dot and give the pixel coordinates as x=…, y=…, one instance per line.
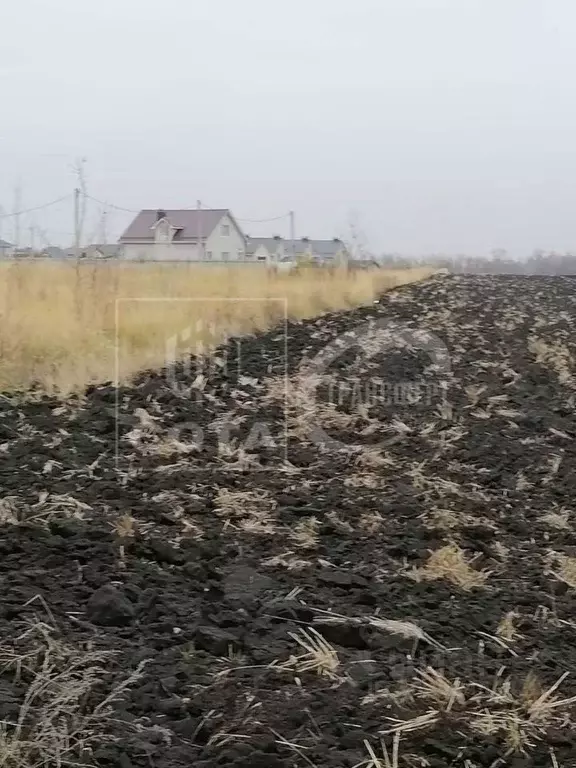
x=160, y=214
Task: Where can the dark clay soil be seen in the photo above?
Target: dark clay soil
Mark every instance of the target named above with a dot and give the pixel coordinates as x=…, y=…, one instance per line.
x=204, y=566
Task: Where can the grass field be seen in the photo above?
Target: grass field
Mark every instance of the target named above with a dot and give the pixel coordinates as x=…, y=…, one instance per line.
x=59, y=323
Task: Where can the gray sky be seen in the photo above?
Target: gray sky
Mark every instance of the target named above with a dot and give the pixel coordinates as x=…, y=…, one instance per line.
x=447, y=125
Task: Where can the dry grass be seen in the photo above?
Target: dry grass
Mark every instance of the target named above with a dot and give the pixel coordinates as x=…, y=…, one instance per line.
x=61, y=715
x=248, y=511
x=287, y=560
x=58, y=321
x=386, y=761
x=563, y=568
x=559, y=520
x=450, y=563
x=405, y=629
x=303, y=412
x=556, y=356
x=305, y=534
x=506, y=628
x=521, y=713
x=435, y=687
x=319, y=656
x=445, y=519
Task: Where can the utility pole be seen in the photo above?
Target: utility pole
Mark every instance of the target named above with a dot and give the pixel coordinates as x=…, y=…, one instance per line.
x=292, y=235
x=77, y=231
x=104, y=233
x=79, y=216
x=199, y=229
x=79, y=200
x=17, y=209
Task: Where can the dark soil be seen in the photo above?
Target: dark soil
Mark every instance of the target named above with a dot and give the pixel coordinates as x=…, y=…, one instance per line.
x=201, y=564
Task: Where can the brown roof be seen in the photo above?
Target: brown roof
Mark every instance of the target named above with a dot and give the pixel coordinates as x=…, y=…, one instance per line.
x=190, y=223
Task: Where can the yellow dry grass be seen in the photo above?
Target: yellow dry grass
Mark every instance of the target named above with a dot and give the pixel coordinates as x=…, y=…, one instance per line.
x=320, y=656
x=59, y=323
x=564, y=568
x=450, y=563
x=507, y=629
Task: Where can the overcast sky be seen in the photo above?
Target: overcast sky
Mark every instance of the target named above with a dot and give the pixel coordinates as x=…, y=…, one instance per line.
x=441, y=125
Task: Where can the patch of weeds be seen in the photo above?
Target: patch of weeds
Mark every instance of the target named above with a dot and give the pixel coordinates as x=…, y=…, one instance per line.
x=450, y=563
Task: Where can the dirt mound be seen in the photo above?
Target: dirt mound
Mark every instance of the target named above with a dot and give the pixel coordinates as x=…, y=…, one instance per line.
x=347, y=542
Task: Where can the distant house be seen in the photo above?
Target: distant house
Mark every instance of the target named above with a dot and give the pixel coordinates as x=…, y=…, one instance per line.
x=184, y=235
x=278, y=249
x=93, y=252
x=105, y=251
x=6, y=249
x=54, y=252
x=265, y=249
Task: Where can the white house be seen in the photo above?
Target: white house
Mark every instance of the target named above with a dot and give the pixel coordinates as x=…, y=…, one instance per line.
x=277, y=249
x=184, y=235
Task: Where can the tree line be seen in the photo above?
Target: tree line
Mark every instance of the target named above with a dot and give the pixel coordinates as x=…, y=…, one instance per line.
x=499, y=262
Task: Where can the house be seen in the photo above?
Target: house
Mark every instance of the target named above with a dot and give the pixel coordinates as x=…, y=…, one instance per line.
x=265, y=249
x=184, y=235
x=6, y=249
x=277, y=249
x=53, y=252
x=323, y=251
x=93, y=252
x=105, y=251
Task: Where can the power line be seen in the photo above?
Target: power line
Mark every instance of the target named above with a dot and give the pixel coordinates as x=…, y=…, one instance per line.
x=204, y=207
x=126, y=210
x=263, y=221
x=37, y=208
x=134, y=210
x=111, y=205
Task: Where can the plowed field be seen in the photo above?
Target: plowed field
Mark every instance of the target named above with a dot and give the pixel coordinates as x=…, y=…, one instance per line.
x=347, y=542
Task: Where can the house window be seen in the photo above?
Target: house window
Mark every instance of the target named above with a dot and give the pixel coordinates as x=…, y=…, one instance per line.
x=226, y=256
x=208, y=255
x=225, y=230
